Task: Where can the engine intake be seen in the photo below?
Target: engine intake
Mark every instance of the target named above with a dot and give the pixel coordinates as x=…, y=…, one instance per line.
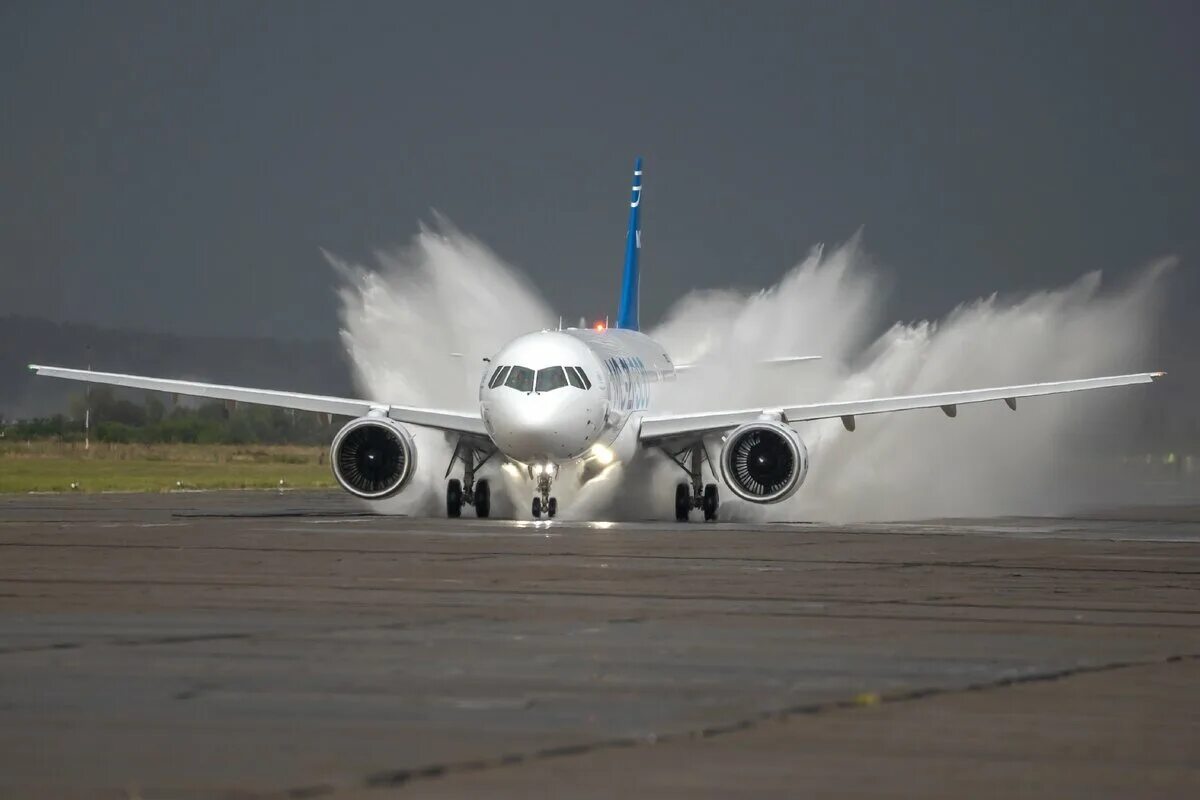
x=764, y=462
x=373, y=457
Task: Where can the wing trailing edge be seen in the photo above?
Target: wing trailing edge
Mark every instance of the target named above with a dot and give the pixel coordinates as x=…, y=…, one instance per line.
x=665, y=427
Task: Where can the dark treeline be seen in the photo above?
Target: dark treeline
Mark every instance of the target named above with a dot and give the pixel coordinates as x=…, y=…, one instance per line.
x=117, y=419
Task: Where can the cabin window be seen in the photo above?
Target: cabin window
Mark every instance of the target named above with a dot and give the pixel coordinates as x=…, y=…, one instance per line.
x=498, y=377
x=521, y=379
x=551, y=378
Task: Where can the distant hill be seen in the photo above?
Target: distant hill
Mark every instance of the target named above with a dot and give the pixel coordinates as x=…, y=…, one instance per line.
x=308, y=366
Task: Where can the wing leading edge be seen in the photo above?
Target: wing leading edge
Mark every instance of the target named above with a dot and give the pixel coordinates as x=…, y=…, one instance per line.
x=665, y=427
x=456, y=422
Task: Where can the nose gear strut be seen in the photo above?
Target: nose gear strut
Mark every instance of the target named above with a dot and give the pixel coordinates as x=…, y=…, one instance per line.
x=543, y=503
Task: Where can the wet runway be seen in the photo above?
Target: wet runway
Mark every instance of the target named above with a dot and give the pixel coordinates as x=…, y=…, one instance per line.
x=286, y=645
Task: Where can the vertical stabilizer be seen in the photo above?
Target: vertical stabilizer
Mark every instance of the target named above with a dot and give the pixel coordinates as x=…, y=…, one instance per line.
x=627, y=312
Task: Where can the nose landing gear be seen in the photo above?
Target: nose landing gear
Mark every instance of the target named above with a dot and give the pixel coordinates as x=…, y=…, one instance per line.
x=543, y=502
x=695, y=493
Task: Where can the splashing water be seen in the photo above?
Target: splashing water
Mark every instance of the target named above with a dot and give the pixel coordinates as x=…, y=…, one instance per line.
x=448, y=294
x=417, y=328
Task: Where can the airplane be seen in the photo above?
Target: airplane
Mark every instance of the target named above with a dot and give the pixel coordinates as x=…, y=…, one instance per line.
x=553, y=398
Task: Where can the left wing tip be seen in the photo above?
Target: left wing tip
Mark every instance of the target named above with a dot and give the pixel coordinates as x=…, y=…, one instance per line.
x=1156, y=375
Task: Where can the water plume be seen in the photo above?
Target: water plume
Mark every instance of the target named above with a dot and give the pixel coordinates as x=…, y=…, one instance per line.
x=447, y=293
x=417, y=325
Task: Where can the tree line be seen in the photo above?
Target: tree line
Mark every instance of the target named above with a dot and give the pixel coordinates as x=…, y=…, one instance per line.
x=113, y=418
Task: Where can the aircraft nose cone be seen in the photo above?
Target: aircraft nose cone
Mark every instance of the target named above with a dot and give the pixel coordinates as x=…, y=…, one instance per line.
x=533, y=427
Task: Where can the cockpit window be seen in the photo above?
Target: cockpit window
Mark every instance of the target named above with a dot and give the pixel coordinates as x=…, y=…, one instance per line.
x=498, y=377
x=587, y=384
x=573, y=378
x=551, y=378
x=521, y=379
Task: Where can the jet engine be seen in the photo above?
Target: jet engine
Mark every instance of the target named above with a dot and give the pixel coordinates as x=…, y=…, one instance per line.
x=764, y=462
x=373, y=457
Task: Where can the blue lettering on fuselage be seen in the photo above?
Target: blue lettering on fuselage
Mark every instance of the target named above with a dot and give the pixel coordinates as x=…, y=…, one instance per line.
x=628, y=387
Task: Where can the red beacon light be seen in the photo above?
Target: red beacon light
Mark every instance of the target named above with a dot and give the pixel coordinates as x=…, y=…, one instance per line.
x=599, y=327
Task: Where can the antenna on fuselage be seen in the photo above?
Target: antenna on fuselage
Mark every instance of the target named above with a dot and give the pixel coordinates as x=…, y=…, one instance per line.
x=560, y=322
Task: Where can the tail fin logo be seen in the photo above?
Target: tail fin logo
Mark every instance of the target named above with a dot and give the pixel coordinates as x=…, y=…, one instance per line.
x=627, y=312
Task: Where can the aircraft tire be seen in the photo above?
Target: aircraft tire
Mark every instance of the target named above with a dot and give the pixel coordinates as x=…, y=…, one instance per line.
x=483, y=499
x=552, y=507
x=712, y=501
x=454, y=498
x=683, y=502
x=537, y=507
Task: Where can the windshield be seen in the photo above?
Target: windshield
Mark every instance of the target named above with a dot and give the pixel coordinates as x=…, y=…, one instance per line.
x=521, y=379
x=551, y=378
x=498, y=377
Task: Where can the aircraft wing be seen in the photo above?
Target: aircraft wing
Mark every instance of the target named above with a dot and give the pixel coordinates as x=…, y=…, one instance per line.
x=655, y=428
x=766, y=362
x=453, y=421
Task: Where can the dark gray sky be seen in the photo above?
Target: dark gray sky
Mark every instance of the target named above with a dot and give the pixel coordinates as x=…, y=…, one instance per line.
x=177, y=166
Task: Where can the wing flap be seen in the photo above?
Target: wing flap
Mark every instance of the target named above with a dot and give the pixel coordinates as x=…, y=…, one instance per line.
x=663, y=427
x=341, y=406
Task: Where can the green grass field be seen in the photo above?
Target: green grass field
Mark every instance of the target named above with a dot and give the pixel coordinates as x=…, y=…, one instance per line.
x=49, y=466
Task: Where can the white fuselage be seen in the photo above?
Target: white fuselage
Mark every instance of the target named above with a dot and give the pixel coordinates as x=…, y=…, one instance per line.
x=537, y=407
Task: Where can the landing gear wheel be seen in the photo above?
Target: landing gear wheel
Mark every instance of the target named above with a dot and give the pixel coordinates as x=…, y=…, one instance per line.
x=537, y=506
x=483, y=499
x=552, y=507
x=454, y=498
x=683, y=502
x=712, y=501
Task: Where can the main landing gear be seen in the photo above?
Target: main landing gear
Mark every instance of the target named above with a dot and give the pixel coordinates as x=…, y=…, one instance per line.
x=468, y=491
x=543, y=503
x=695, y=493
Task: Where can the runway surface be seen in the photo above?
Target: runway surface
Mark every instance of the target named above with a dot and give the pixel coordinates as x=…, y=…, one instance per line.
x=244, y=645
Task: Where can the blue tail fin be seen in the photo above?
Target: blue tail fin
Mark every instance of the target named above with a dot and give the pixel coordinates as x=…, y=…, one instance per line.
x=627, y=312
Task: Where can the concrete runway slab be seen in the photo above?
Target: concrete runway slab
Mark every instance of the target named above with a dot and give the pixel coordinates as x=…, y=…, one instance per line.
x=286, y=645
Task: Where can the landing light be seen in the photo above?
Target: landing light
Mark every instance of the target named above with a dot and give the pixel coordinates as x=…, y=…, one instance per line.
x=599, y=327
x=602, y=454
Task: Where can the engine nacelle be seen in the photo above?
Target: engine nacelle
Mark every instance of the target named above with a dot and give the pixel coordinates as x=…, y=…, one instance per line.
x=764, y=462
x=373, y=457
